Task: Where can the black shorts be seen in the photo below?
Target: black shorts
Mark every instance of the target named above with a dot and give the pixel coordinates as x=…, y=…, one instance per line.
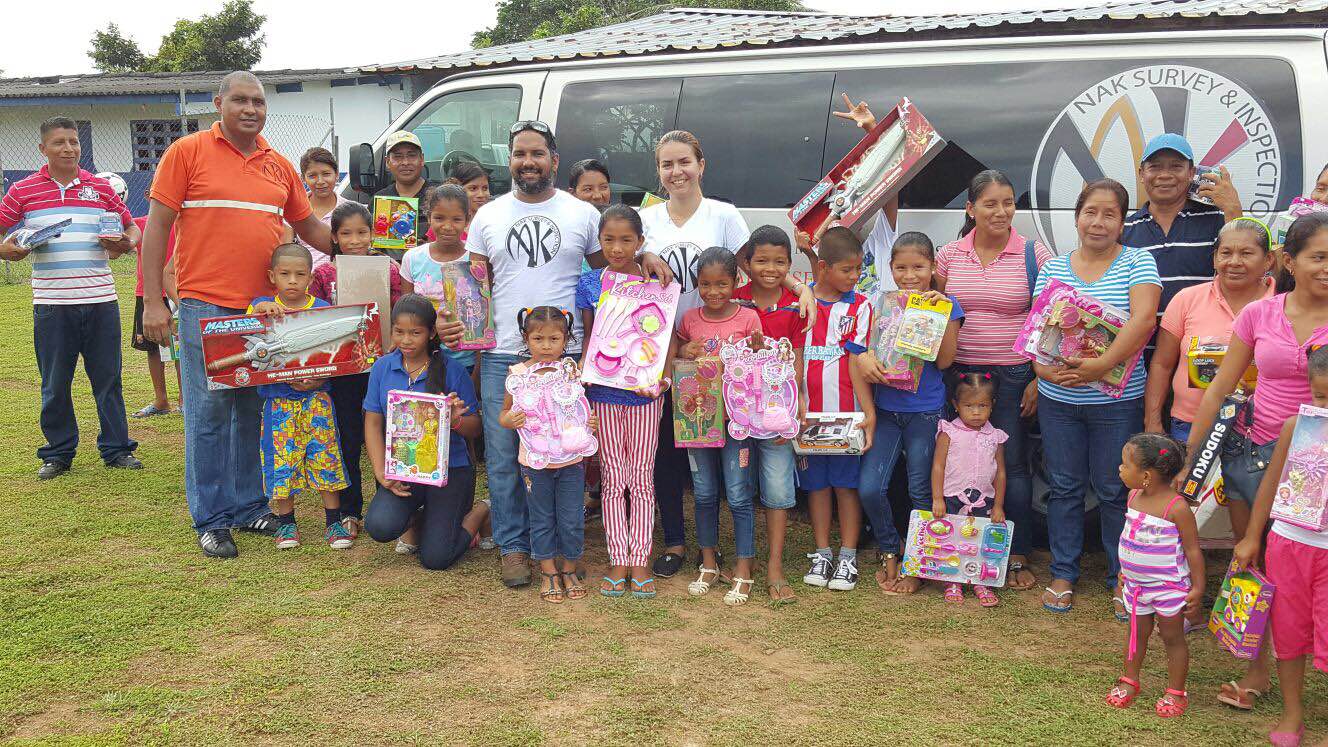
x=139, y=342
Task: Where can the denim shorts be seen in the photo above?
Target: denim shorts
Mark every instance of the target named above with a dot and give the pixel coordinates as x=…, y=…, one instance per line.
x=821, y=471
x=1241, y=473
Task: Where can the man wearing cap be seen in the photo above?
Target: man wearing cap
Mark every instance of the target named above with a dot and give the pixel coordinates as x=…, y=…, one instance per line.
x=405, y=162
x=532, y=241
x=1181, y=233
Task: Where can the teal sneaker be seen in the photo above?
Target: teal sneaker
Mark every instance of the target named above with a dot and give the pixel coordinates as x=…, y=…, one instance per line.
x=287, y=536
x=338, y=537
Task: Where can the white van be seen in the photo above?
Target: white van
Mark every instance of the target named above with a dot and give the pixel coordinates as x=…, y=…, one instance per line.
x=1049, y=111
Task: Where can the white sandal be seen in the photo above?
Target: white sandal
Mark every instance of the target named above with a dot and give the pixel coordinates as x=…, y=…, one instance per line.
x=701, y=587
x=736, y=598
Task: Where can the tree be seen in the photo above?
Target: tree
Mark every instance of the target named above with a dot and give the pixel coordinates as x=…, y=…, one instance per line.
x=230, y=39
x=521, y=20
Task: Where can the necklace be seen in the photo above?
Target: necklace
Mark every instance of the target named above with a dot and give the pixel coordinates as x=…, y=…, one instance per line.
x=410, y=375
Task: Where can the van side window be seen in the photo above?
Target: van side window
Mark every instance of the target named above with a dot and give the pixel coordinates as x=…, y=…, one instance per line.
x=618, y=122
x=469, y=125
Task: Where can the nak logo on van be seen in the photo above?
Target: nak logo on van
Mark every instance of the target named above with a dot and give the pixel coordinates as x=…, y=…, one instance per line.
x=1103, y=131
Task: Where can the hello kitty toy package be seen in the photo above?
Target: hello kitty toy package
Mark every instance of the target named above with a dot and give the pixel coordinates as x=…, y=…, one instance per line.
x=1066, y=323
x=557, y=428
x=760, y=389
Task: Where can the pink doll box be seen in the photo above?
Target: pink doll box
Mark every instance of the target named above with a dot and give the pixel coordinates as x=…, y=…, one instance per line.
x=557, y=428
x=1065, y=323
x=760, y=389
x=957, y=549
x=698, y=403
x=902, y=371
x=1240, y=614
x=630, y=341
x=922, y=327
x=419, y=433
x=1302, y=490
x=467, y=297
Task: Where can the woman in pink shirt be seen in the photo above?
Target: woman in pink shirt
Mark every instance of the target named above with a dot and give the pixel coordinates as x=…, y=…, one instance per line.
x=988, y=271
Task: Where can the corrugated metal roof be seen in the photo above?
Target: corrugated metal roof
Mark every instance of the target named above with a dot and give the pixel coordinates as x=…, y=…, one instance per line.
x=688, y=29
x=121, y=84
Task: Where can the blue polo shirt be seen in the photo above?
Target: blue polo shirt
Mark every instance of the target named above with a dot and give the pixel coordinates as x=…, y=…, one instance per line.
x=1184, y=255
x=388, y=374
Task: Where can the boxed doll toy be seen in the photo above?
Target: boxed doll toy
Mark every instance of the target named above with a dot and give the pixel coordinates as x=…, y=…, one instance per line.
x=760, y=389
x=1067, y=323
x=831, y=433
x=1302, y=490
x=468, y=298
x=249, y=349
x=630, y=340
x=557, y=427
x=901, y=371
x=698, y=403
x=1240, y=614
x=419, y=434
x=957, y=549
x=394, y=222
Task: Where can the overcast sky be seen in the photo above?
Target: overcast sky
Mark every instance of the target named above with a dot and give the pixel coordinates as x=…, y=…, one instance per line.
x=328, y=33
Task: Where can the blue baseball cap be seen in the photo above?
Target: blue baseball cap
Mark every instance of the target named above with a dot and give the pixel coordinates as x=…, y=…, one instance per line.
x=1168, y=141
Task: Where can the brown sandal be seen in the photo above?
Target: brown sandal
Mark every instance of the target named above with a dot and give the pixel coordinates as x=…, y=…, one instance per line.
x=555, y=593
x=572, y=586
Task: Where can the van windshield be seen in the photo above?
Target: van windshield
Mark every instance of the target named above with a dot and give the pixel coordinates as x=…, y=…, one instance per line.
x=468, y=125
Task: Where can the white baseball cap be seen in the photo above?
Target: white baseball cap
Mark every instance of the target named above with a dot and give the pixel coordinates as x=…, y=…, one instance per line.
x=117, y=183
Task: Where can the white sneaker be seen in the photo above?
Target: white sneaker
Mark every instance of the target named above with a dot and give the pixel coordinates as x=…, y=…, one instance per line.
x=819, y=575
x=405, y=548
x=846, y=575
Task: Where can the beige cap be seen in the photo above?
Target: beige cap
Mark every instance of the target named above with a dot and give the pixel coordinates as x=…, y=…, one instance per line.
x=402, y=136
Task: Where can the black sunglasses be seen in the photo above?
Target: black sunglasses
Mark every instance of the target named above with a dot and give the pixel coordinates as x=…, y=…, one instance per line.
x=529, y=124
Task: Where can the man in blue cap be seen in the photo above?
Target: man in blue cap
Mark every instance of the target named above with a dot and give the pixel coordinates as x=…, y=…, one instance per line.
x=1181, y=233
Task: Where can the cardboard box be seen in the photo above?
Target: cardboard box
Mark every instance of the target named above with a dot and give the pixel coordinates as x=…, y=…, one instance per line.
x=630, y=340
x=394, y=222
x=1240, y=614
x=831, y=433
x=365, y=279
x=1068, y=323
x=419, y=437
x=250, y=350
x=1207, y=461
x=896, y=149
x=698, y=403
x=957, y=549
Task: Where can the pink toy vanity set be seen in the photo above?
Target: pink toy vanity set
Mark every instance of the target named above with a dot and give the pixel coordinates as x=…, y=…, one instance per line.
x=957, y=549
x=760, y=389
x=1302, y=490
x=557, y=428
x=1065, y=323
x=419, y=434
x=630, y=340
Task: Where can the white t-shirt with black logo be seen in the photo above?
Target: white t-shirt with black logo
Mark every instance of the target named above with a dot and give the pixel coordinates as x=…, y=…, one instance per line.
x=535, y=250
x=714, y=223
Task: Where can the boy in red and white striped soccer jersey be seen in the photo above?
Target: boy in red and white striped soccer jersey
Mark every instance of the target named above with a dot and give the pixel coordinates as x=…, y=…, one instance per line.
x=75, y=311
x=833, y=384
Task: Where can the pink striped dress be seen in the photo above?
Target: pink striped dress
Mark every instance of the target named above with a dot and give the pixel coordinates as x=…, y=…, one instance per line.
x=1153, y=566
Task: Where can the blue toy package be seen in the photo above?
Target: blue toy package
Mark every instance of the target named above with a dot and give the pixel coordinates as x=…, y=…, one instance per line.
x=957, y=549
x=30, y=238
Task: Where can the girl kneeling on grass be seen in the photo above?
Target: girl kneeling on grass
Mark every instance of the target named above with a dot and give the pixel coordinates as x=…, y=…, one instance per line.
x=447, y=521
x=1161, y=567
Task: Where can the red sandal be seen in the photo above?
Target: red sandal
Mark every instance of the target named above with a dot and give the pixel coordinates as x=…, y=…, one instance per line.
x=1172, y=704
x=1119, y=697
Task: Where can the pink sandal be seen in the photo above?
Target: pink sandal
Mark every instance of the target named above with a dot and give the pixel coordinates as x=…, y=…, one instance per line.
x=1287, y=738
x=1120, y=697
x=954, y=593
x=1172, y=704
x=986, y=597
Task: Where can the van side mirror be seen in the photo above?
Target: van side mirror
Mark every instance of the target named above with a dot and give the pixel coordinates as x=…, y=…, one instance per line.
x=363, y=169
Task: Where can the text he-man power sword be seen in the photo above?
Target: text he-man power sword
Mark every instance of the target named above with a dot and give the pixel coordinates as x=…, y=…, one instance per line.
x=305, y=340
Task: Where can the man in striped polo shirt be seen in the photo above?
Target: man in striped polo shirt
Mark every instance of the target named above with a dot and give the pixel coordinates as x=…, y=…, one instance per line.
x=229, y=196
x=74, y=311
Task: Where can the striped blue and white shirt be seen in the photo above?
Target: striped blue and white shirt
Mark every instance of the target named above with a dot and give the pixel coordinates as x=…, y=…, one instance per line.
x=1184, y=255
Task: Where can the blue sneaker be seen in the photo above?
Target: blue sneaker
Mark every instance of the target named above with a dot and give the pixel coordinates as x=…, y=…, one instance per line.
x=338, y=538
x=287, y=536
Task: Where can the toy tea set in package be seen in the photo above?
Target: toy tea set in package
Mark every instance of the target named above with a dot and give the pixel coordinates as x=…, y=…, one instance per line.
x=250, y=349
x=887, y=158
x=831, y=433
x=760, y=389
x=1065, y=323
x=957, y=549
x=901, y=371
x=1205, y=356
x=1302, y=490
x=630, y=340
x=468, y=298
x=557, y=425
x=419, y=435
x=1240, y=614
x=698, y=402
x=394, y=222
x=922, y=327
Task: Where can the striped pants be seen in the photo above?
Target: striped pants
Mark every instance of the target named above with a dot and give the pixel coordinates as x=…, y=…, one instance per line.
x=628, y=440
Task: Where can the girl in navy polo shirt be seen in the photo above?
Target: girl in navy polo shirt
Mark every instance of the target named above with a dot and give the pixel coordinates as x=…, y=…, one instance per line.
x=448, y=522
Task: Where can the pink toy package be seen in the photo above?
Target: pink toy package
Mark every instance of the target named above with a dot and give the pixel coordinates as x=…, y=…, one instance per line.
x=419, y=428
x=630, y=340
x=902, y=371
x=557, y=428
x=1065, y=323
x=760, y=389
x=1302, y=490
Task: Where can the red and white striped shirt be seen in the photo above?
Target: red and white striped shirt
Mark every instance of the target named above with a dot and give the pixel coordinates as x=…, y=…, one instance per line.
x=841, y=329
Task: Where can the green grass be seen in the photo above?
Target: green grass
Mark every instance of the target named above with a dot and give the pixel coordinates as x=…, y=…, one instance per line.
x=114, y=630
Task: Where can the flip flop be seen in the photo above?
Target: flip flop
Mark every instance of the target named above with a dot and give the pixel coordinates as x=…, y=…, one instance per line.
x=1241, y=698
x=776, y=600
x=1287, y=738
x=1120, y=616
x=614, y=592
x=638, y=593
x=1009, y=576
x=1059, y=609
x=151, y=411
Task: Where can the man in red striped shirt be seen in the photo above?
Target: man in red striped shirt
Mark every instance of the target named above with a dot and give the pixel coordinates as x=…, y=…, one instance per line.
x=75, y=311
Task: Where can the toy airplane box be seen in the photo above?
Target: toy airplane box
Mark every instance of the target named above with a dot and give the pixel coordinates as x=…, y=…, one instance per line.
x=394, y=222
x=1240, y=614
x=698, y=403
x=957, y=549
x=831, y=433
x=419, y=434
x=895, y=150
x=249, y=349
x=1302, y=489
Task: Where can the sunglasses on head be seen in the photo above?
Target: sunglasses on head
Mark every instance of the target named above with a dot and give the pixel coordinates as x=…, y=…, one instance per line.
x=529, y=124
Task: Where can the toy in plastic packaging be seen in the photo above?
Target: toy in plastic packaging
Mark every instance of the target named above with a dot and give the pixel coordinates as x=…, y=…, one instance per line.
x=1066, y=323
x=901, y=371
x=760, y=389
x=33, y=238
x=250, y=349
x=171, y=351
x=831, y=433
x=365, y=279
x=957, y=549
x=1199, y=179
x=1300, y=206
x=1205, y=356
x=419, y=436
x=1207, y=461
x=394, y=222
x=557, y=429
x=887, y=158
x=630, y=340
x=1240, y=614
x=109, y=226
x=922, y=327
x=698, y=403
x=468, y=297
x=1302, y=490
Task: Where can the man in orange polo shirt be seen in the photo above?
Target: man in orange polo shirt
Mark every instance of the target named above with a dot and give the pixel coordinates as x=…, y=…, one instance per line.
x=229, y=195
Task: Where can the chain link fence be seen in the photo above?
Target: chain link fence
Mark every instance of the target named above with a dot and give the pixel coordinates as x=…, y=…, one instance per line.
x=129, y=140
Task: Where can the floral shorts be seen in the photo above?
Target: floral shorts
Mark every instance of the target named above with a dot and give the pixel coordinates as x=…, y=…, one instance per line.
x=299, y=447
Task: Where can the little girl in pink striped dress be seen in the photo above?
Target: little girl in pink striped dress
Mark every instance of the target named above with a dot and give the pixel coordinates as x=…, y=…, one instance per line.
x=1162, y=571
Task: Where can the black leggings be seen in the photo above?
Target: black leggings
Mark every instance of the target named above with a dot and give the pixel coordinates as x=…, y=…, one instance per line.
x=442, y=539
x=671, y=473
x=348, y=401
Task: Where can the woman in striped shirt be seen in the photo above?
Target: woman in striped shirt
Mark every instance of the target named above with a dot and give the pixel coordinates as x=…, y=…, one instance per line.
x=987, y=269
x=1084, y=429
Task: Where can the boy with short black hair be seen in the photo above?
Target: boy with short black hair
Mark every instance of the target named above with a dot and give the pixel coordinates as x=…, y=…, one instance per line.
x=299, y=442
x=833, y=384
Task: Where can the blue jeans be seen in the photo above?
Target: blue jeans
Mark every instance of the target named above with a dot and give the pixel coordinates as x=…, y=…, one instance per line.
x=914, y=433
x=60, y=334
x=776, y=465
x=222, y=480
x=1180, y=430
x=1011, y=381
x=557, y=511
x=507, y=493
x=709, y=467
x=1082, y=445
